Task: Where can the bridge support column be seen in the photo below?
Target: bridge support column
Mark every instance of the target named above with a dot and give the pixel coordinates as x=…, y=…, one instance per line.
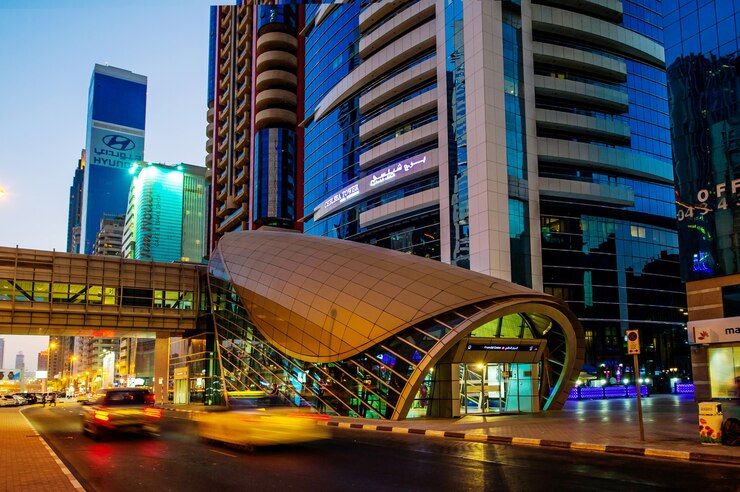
x=161, y=368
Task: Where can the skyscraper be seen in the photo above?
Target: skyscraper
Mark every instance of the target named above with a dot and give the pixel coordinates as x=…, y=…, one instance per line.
x=20, y=361
x=115, y=140
x=75, y=207
x=2, y=352
x=525, y=140
x=704, y=89
x=165, y=220
x=254, y=141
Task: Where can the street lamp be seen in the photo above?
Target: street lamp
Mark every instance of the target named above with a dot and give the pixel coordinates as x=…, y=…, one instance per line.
x=72, y=360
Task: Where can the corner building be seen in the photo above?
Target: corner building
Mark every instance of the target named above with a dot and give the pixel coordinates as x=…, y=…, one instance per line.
x=704, y=88
x=525, y=140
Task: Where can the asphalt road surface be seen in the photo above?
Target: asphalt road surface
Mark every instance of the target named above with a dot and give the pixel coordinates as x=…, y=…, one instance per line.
x=177, y=460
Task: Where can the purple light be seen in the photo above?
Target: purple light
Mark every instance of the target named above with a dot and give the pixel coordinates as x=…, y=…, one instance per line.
x=684, y=388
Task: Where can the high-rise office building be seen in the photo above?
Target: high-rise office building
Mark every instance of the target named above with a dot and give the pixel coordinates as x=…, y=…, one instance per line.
x=109, y=238
x=43, y=361
x=20, y=360
x=701, y=40
x=75, y=207
x=165, y=220
x=2, y=352
x=254, y=141
x=115, y=140
x=525, y=140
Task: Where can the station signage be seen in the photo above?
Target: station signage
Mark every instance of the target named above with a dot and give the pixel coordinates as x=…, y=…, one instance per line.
x=507, y=347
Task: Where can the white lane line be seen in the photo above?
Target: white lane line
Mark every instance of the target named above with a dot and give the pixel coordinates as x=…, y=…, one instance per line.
x=221, y=452
x=62, y=466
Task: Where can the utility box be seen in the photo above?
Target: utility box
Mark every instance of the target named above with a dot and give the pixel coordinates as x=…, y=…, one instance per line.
x=710, y=423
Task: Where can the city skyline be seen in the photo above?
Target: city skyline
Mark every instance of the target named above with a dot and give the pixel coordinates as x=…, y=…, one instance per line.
x=53, y=48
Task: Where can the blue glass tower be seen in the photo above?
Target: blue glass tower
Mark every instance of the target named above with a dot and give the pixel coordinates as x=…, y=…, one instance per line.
x=704, y=94
x=115, y=140
x=527, y=140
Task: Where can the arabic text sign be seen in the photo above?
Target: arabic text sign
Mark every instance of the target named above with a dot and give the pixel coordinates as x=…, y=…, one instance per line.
x=503, y=347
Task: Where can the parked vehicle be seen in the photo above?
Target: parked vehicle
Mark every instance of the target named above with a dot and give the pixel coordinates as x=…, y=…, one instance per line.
x=29, y=397
x=21, y=400
x=8, y=401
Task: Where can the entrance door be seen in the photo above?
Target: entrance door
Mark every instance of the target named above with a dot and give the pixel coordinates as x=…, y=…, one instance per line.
x=182, y=392
x=483, y=387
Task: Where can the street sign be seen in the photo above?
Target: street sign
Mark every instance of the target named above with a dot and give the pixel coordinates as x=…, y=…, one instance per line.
x=633, y=342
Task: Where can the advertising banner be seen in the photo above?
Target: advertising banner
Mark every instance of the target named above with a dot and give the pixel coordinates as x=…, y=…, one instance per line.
x=116, y=149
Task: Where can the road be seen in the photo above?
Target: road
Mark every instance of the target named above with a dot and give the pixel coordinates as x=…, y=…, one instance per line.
x=352, y=460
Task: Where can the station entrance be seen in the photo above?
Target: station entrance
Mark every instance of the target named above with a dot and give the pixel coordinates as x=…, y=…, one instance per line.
x=498, y=375
x=497, y=388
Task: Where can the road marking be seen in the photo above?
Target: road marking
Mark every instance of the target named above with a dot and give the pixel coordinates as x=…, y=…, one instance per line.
x=526, y=441
x=225, y=454
x=435, y=433
x=62, y=466
x=587, y=447
x=476, y=437
x=665, y=453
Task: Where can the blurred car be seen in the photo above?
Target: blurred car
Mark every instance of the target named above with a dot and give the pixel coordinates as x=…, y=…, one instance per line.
x=120, y=409
x=8, y=401
x=256, y=419
x=83, y=397
x=20, y=399
x=29, y=397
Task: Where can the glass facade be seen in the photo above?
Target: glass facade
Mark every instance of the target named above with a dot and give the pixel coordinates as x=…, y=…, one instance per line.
x=333, y=145
x=457, y=140
x=516, y=147
x=115, y=141
x=617, y=265
x=615, y=262
x=274, y=177
x=703, y=66
x=165, y=220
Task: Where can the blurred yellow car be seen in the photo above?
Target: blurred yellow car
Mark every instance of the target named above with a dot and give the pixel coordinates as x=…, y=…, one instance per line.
x=257, y=419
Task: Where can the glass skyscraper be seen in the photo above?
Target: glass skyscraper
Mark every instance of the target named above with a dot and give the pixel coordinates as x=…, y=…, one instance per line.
x=525, y=140
x=701, y=40
x=115, y=140
x=165, y=220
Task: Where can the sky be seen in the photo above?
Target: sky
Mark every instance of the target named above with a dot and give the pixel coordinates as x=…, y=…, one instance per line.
x=48, y=49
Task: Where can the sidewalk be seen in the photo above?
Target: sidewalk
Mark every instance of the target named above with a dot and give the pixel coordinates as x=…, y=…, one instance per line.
x=28, y=463
x=610, y=426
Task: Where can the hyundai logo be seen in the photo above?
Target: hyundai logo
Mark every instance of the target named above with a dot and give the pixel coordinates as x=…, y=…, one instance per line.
x=118, y=142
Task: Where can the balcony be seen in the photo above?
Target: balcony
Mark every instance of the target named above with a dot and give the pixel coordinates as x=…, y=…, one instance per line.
x=277, y=41
x=607, y=130
x=584, y=191
x=223, y=146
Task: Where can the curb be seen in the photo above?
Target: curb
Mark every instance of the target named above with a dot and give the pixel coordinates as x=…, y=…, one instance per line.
x=525, y=441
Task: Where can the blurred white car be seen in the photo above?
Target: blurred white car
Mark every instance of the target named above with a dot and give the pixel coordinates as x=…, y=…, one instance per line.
x=20, y=399
x=257, y=419
x=8, y=401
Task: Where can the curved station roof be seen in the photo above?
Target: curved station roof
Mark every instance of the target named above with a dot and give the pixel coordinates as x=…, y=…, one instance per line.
x=320, y=299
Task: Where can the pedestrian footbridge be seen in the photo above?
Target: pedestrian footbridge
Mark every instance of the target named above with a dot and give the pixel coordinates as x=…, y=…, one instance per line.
x=63, y=294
